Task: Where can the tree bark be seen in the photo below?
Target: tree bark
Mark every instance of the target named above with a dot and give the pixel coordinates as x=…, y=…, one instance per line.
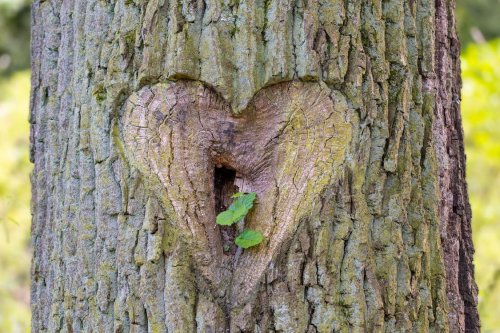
x=343, y=117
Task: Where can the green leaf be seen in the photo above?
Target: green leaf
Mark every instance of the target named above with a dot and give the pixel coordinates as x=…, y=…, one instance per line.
x=249, y=238
x=243, y=204
x=237, y=194
x=238, y=209
x=225, y=218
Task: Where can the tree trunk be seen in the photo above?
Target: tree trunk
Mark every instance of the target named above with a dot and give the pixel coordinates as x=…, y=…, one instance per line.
x=342, y=115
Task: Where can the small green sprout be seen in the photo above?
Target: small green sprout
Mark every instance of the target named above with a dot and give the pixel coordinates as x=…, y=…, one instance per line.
x=237, y=212
x=249, y=238
x=238, y=209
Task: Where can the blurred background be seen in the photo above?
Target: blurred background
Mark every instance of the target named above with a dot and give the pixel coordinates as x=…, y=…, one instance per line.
x=479, y=30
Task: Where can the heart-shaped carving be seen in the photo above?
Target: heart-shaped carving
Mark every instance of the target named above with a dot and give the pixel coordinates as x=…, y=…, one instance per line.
x=287, y=146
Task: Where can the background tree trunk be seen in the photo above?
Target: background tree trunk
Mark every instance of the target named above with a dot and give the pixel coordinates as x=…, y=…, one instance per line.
x=367, y=227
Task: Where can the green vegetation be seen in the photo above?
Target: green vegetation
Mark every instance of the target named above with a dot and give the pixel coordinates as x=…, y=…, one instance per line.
x=14, y=204
x=14, y=35
x=480, y=17
x=481, y=116
x=238, y=209
x=249, y=238
x=236, y=213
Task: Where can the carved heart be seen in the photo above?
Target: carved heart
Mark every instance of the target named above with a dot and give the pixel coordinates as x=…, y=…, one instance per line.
x=287, y=146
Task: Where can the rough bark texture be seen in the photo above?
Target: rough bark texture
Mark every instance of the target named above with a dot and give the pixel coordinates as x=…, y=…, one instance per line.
x=454, y=208
x=343, y=116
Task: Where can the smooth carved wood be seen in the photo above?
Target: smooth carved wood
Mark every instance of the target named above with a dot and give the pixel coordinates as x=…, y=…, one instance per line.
x=287, y=146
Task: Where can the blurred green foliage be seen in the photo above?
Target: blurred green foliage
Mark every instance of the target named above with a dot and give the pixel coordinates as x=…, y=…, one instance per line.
x=481, y=119
x=14, y=35
x=477, y=19
x=14, y=204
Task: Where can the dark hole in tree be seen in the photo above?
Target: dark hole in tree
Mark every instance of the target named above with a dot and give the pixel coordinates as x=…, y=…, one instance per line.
x=224, y=188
